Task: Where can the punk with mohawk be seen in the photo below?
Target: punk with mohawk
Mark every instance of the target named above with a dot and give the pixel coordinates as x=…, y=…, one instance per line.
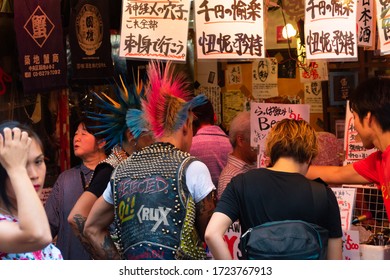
x=123, y=134
x=169, y=99
x=163, y=197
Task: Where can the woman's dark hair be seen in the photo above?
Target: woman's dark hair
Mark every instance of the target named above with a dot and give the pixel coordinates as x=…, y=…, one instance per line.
x=3, y=173
x=89, y=125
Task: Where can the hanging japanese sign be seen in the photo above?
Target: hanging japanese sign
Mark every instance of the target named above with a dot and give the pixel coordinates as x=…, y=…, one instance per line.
x=266, y=115
x=383, y=22
x=330, y=30
x=229, y=29
x=155, y=29
x=313, y=96
x=366, y=23
x=89, y=39
x=41, y=50
x=265, y=78
x=313, y=71
x=310, y=70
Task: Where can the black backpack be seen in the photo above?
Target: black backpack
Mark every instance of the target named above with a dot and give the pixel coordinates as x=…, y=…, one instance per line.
x=288, y=239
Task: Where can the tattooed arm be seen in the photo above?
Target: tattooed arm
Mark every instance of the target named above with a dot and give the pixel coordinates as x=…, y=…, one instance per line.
x=78, y=216
x=204, y=210
x=96, y=231
x=83, y=206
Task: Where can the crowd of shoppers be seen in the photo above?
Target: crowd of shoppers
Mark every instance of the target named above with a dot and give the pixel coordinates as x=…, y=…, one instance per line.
x=156, y=192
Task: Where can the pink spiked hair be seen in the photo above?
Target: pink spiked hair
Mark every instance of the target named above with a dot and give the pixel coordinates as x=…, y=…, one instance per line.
x=168, y=99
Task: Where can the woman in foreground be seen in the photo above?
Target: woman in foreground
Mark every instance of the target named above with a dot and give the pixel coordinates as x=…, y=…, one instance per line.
x=24, y=228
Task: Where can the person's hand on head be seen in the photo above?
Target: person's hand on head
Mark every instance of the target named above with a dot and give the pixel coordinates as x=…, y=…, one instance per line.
x=14, y=146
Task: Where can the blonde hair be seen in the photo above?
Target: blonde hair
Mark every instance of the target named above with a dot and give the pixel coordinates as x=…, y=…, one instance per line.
x=291, y=138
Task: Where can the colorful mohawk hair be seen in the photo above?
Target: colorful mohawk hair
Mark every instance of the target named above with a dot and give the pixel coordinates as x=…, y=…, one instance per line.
x=168, y=99
x=115, y=122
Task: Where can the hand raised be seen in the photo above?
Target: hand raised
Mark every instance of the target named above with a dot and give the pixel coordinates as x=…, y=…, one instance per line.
x=14, y=147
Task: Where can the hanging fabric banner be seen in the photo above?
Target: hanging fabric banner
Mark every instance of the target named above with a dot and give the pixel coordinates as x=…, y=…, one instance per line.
x=41, y=51
x=89, y=39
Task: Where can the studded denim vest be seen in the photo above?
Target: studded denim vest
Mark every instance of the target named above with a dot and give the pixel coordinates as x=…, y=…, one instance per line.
x=154, y=211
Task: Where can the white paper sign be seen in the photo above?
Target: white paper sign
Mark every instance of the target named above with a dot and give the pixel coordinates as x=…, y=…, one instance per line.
x=155, y=29
x=351, y=247
x=313, y=96
x=229, y=29
x=265, y=78
x=330, y=30
x=383, y=22
x=346, y=200
x=232, y=238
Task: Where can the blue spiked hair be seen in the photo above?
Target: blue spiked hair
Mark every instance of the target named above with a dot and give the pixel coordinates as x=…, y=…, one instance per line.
x=117, y=120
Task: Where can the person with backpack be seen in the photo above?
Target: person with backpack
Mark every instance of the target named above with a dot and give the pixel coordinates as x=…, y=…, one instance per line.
x=280, y=192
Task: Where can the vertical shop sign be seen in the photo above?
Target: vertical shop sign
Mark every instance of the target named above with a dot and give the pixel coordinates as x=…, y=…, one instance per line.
x=383, y=23
x=330, y=30
x=41, y=50
x=366, y=23
x=234, y=74
x=313, y=96
x=89, y=39
x=265, y=115
x=346, y=200
x=265, y=78
x=155, y=29
x=229, y=29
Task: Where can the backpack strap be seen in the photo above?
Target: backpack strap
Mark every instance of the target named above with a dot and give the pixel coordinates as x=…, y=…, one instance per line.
x=320, y=197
